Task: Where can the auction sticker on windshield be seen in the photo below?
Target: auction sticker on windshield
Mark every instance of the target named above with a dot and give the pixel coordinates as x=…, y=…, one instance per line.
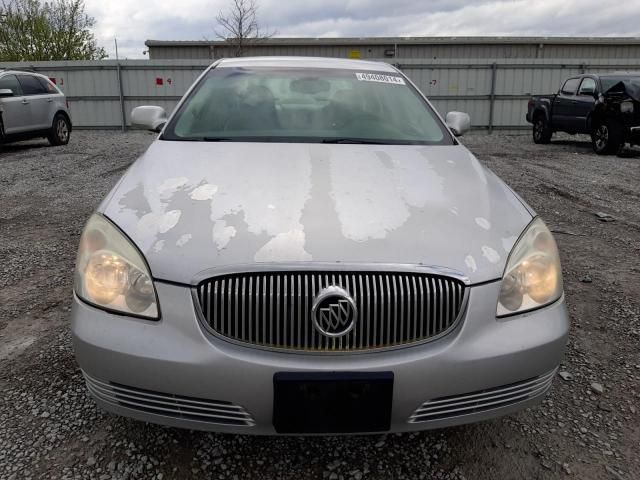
x=377, y=77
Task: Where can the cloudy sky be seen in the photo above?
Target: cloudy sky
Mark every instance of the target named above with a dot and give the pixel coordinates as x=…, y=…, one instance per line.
x=134, y=21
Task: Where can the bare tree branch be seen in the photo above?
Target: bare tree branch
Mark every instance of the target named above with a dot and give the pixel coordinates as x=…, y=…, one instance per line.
x=239, y=26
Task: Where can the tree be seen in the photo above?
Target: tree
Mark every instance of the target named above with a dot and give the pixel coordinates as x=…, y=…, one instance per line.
x=32, y=30
x=239, y=25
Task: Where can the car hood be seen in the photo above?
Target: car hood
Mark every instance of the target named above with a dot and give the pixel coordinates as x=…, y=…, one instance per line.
x=194, y=207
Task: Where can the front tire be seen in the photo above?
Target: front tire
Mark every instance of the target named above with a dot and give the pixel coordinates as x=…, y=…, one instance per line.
x=541, y=131
x=60, y=130
x=606, y=137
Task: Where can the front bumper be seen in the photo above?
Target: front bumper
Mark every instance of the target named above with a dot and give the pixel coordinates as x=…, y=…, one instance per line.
x=164, y=371
x=634, y=134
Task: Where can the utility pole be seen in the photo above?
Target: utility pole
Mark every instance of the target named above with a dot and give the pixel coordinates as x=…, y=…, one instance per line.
x=120, y=90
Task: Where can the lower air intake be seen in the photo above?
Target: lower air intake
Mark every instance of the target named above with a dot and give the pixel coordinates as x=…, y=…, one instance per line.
x=482, y=400
x=169, y=405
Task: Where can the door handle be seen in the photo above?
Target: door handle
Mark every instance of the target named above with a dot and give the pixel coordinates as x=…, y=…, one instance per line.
x=25, y=101
x=49, y=100
x=574, y=101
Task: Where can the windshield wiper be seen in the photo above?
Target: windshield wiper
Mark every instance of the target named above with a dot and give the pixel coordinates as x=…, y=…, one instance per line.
x=362, y=141
x=199, y=139
x=344, y=140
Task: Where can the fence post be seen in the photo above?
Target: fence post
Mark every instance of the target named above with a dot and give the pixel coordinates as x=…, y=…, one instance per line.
x=123, y=117
x=492, y=95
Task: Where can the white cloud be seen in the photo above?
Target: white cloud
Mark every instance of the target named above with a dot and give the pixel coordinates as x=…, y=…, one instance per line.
x=134, y=22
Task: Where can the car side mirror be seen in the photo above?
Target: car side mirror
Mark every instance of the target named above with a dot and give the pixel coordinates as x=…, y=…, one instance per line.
x=149, y=118
x=458, y=122
x=6, y=92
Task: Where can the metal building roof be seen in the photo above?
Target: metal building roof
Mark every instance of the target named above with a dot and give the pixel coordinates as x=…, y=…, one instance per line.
x=408, y=41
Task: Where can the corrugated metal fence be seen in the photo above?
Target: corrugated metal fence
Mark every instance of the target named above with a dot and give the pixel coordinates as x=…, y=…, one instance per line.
x=102, y=94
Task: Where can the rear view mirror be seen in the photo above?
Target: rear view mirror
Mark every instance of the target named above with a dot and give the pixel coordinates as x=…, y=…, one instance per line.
x=458, y=122
x=6, y=92
x=310, y=86
x=149, y=118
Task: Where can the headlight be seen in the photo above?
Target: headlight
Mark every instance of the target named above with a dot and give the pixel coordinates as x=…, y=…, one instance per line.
x=626, y=107
x=111, y=273
x=533, y=277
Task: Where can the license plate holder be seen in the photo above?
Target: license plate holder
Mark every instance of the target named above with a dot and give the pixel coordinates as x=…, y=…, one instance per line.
x=333, y=402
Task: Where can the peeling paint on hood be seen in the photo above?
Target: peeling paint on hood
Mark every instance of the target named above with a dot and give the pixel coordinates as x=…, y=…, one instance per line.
x=191, y=207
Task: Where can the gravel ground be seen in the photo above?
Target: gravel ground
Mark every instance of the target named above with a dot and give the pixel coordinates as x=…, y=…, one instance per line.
x=588, y=427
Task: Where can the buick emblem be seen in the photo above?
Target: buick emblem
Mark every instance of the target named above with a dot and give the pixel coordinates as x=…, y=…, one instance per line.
x=334, y=312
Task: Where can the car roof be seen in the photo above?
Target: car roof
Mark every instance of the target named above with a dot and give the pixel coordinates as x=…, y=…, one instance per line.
x=21, y=72
x=608, y=74
x=308, y=62
x=619, y=74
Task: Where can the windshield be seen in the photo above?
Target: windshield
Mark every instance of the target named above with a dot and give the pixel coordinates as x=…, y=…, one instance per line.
x=608, y=82
x=306, y=105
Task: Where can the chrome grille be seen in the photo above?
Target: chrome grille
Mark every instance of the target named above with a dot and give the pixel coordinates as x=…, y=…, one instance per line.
x=169, y=405
x=273, y=309
x=483, y=400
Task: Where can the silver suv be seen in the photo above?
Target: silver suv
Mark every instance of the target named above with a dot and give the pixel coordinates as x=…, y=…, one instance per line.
x=32, y=106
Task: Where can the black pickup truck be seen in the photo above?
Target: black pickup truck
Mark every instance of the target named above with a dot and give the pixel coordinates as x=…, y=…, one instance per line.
x=605, y=106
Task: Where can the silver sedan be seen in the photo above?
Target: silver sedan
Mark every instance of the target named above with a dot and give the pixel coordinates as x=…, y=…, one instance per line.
x=307, y=248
